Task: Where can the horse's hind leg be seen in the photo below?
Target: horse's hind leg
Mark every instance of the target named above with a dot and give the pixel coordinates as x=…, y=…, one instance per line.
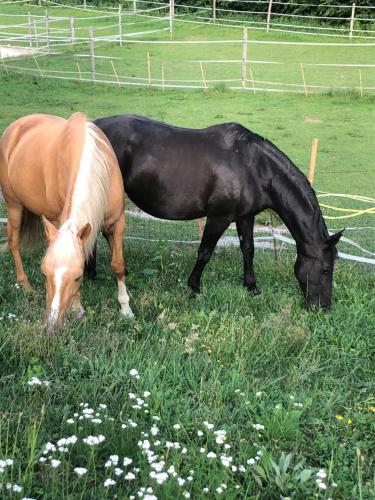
x=14, y=240
x=245, y=230
x=213, y=230
x=115, y=238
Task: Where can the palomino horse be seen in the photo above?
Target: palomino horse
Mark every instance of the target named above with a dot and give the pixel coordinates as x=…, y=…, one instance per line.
x=226, y=173
x=64, y=171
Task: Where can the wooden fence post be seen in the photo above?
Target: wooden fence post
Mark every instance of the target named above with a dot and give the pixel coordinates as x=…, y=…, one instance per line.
x=244, y=58
x=92, y=54
x=36, y=35
x=149, y=69
x=269, y=15
x=84, y=4
x=352, y=18
x=47, y=32
x=203, y=77
x=120, y=24
x=30, y=30
x=214, y=11
x=314, y=152
x=134, y=6
x=72, y=31
x=304, y=80
x=171, y=16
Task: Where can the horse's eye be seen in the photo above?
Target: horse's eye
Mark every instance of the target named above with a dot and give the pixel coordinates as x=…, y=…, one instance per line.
x=79, y=279
x=324, y=271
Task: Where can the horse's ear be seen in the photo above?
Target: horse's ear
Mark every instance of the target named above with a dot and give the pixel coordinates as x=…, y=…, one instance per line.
x=334, y=238
x=84, y=232
x=49, y=230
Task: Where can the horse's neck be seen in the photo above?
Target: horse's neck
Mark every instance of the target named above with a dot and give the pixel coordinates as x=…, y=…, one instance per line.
x=294, y=201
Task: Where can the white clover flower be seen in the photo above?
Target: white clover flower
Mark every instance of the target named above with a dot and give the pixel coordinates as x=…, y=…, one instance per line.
x=181, y=481
x=321, y=485
x=114, y=459
x=93, y=440
x=321, y=474
x=177, y=427
x=133, y=372
x=211, y=455
x=150, y=497
x=154, y=430
x=199, y=433
x=42, y=459
x=118, y=471
x=251, y=461
x=241, y=468
x=258, y=427
x=205, y=490
x=145, y=444
x=158, y=466
x=202, y=450
x=129, y=476
x=186, y=494
x=34, y=381
x=127, y=461
x=184, y=451
x=208, y=425
x=226, y=460
x=219, y=490
x=96, y=420
x=109, y=482
x=160, y=477
x=80, y=471
x=291, y=397
x=55, y=463
x=102, y=406
x=172, y=471
x=234, y=468
x=258, y=394
x=87, y=411
x=146, y=394
x=334, y=485
x=155, y=417
x=298, y=405
x=260, y=453
x=189, y=478
x=70, y=421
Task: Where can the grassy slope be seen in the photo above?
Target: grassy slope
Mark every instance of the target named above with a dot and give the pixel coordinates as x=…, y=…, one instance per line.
x=194, y=354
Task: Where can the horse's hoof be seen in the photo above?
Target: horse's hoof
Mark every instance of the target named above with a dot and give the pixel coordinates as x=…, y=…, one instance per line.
x=254, y=290
x=80, y=314
x=194, y=290
x=127, y=312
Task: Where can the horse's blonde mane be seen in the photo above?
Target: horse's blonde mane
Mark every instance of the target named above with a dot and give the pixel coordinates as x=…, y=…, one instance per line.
x=91, y=188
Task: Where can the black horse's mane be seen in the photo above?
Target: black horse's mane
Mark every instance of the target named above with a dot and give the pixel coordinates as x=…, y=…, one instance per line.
x=293, y=172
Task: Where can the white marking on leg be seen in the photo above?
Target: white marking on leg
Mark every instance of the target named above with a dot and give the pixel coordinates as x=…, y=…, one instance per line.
x=55, y=305
x=123, y=298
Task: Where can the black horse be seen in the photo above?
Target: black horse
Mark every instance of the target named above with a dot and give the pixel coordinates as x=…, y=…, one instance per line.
x=226, y=173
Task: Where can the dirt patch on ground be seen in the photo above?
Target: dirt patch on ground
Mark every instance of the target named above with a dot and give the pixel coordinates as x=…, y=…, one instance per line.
x=310, y=119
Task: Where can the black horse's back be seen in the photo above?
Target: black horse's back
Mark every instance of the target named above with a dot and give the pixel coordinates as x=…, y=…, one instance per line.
x=180, y=173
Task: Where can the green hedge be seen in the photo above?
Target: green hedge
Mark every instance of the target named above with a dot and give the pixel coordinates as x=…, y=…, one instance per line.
x=325, y=7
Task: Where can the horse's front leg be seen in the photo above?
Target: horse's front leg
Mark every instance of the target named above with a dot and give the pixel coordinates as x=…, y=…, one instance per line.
x=14, y=240
x=114, y=238
x=245, y=230
x=213, y=230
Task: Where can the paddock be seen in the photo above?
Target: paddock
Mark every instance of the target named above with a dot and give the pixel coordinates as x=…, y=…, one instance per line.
x=225, y=395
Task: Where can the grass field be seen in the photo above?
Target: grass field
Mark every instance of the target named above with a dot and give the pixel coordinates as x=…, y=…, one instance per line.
x=290, y=393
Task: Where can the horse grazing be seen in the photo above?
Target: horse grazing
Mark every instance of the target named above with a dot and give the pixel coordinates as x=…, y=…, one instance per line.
x=65, y=172
x=227, y=173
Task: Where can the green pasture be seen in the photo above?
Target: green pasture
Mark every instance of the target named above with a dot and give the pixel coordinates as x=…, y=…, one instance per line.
x=275, y=67
x=291, y=391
